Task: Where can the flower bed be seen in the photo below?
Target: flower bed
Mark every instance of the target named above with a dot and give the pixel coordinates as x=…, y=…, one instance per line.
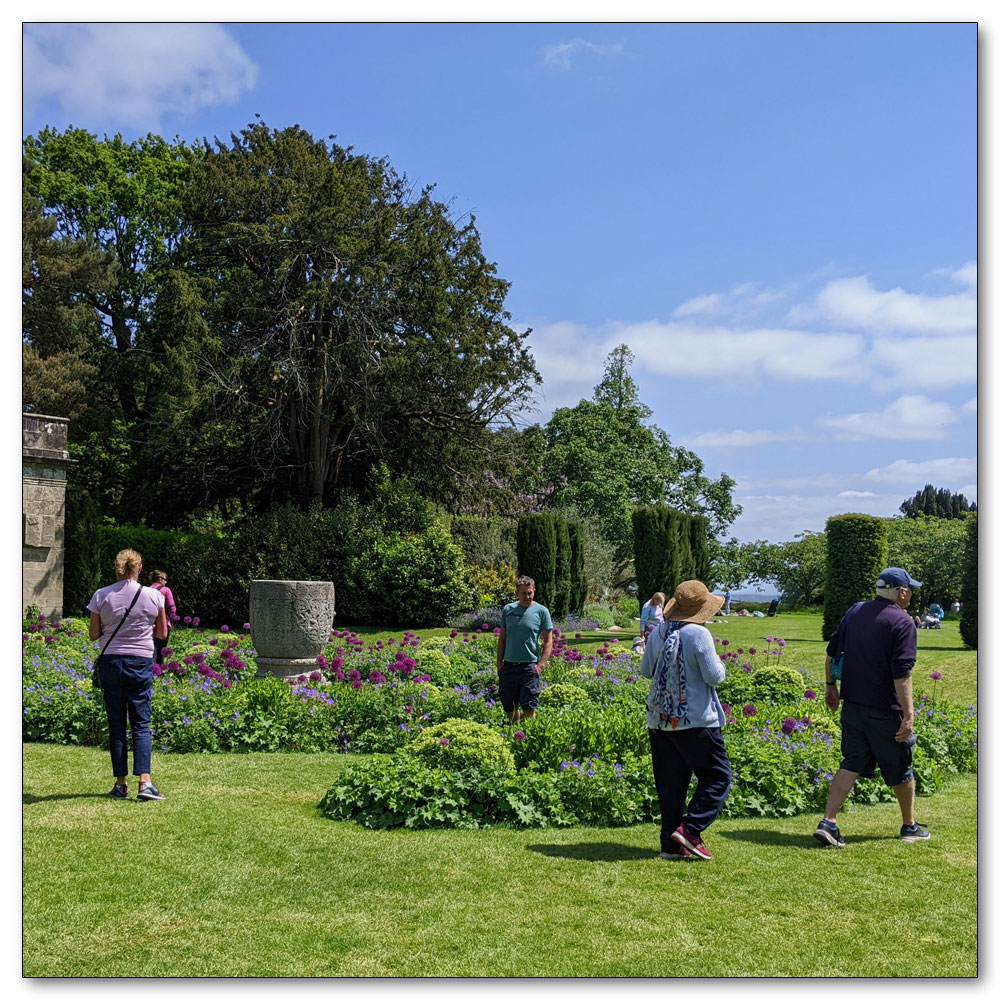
x=583, y=758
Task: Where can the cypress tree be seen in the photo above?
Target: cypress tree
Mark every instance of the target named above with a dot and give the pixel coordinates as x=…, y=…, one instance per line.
x=536, y=554
x=857, y=548
x=699, y=547
x=656, y=532
x=564, y=562
x=968, y=626
x=578, y=572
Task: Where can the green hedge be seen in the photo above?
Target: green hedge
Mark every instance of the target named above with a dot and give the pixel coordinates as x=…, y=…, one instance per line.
x=578, y=568
x=564, y=570
x=968, y=627
x=670, y=547
x=857, y=547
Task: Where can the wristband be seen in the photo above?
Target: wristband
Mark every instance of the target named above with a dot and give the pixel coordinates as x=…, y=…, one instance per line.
x=831, y=684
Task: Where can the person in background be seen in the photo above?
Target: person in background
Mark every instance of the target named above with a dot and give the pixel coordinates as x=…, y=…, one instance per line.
x=652, y=613
x=685, y=718
x=158, y=581
x=772, y=608
x=876, y=718
x=956, y=606
x=523, y=649
x=725, y=607
x=937, y=611
x=124, y=618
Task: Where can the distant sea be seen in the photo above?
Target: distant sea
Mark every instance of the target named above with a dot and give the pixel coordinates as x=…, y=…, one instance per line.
x=764, y=594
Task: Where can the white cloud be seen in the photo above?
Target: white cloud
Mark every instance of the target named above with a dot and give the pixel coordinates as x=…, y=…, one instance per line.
x=854, y=302
x=702, y=305
x=939, y=471
x=742, y=439
x=924, y=362
x=970, y=491
x=560, y=57
x=967, y=274
x=133, y=73
x=856, y=493
x=909, y=418
x=970, y=405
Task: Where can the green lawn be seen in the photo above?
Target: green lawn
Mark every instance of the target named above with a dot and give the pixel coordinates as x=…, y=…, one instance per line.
x=236, y=874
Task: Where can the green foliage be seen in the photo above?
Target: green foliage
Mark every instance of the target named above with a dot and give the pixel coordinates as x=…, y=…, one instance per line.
x=558, y=695
x=926, y=547
x=461, y=743
x=84, y=571
x=485, y=542
x=969, y=625
x=536, y=554
x=662, y=543
x=777, y=685
x=857, y=550
x=798, y=568
x=700, y=555
x=578, y=567
x=625, y=611
x=608, y=459
x=564, y=561
x=939, y=503
x=600, y=614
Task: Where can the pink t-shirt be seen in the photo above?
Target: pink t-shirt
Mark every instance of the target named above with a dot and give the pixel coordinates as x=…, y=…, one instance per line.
x=135, y=637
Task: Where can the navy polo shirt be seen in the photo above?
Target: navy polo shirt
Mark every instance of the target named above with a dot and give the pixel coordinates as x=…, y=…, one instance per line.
x=880, y=647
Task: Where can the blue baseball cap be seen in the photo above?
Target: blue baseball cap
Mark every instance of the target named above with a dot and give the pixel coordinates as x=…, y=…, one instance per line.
x=896, y=577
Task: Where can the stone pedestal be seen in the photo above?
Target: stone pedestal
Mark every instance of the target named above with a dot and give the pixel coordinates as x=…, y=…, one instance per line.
x=44, y=463
x=290, y=622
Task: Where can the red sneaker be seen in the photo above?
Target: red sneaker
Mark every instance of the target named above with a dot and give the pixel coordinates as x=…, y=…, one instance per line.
x=692, y=841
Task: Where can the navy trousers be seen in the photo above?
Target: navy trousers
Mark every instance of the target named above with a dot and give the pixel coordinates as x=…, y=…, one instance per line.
x=127, y=682
x=678, y=754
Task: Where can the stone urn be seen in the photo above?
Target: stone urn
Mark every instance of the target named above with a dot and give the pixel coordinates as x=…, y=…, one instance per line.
x=290, y=622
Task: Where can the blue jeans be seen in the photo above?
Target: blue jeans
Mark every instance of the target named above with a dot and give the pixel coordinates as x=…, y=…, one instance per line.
x=127, y=682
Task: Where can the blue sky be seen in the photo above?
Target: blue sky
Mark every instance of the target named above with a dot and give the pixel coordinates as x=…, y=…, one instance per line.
x=779, y=219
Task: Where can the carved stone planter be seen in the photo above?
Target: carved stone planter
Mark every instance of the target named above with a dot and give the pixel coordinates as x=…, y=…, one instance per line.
x=290, y=624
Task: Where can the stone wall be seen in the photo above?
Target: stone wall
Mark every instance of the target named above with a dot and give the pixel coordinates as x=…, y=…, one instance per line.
x=44, y=463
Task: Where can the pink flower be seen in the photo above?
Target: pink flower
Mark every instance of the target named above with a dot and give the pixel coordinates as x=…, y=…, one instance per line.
x=246, y=626
x=225, y=628
x=810, y=694
x=769, y=638
x=520, y=735
x=935, y=676
x=443, y=741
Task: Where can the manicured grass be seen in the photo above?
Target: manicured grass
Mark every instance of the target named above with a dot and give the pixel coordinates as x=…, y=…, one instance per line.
x=237, y=874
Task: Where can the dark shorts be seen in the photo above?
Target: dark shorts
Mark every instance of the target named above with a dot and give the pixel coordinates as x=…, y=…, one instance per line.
x=519, y=685
x=868, y=737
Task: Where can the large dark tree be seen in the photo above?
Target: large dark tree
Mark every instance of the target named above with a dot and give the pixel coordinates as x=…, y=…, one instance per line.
x=355, y=320
x=938, y=502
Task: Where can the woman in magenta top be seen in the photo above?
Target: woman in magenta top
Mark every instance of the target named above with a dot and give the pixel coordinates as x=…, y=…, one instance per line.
x=158, y=581
x=125, y=665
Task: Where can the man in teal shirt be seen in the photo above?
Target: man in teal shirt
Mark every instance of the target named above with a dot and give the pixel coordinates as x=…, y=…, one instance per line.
x=524, y=625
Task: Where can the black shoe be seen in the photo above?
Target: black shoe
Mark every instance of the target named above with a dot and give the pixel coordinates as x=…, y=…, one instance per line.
x=118, y=791
x=911, y=834
x=828, y=834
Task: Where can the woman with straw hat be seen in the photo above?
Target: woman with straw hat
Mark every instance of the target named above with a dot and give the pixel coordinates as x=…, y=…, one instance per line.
x=685, y=720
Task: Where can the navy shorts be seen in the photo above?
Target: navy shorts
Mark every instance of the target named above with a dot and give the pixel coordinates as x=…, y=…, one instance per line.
x=868, y=737
x=519, y=685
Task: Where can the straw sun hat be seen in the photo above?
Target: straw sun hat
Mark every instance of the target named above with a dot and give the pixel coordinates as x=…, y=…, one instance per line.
x=692, y=602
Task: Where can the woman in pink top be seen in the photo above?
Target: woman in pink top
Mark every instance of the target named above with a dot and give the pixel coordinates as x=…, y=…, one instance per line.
x=124, y=618
x=158, y=581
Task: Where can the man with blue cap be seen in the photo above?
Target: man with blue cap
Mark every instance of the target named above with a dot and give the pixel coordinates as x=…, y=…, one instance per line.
x=877, y=643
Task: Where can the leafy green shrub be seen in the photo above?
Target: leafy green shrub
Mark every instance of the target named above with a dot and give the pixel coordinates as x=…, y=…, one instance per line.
x=558, y=695
x=625, y=611
x=599, y=614
x=578, y=567
x=857, y=548
x=461, y=743
x=564, y=563
x=777, y=685
x=536, y=554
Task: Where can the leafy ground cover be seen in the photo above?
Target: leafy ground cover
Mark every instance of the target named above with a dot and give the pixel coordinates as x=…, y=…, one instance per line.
x=237, y=874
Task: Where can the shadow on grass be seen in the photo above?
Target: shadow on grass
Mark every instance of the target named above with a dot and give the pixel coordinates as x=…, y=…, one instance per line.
x=595, y=852
x=28, y=799
x=774, y=838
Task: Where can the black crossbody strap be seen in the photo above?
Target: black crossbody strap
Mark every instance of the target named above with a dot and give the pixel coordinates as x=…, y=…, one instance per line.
x=122, y=622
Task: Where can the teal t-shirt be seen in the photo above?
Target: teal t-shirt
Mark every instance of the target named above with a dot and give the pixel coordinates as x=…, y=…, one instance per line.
x=523, y=626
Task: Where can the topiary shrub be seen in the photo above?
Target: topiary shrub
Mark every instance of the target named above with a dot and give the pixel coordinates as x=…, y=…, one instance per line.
x=968, y=627
x=578, y=570
x=857, y=548
x=461, y=743
x=557, y=695
x=625, y=611
x=560, y=606
x=777, y=684
x=657, y=537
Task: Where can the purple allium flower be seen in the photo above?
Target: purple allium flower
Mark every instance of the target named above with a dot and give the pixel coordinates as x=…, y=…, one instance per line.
x=225, y=628
x=444, y=742
x=752, y=651
x=781, y=642
x=788, y=724
x=213, y=641
x=187, y=619
x=520, y=735
x=805, y=721
x=726, y=707
x=749, y=710
x=407, y=708
x=195, y=622
x=747, y=667
x=935, y=676
x=246, y=626
x=810, y=694
x=167, y=651
x=725, y=642
x=769, y=638
x=315, y=676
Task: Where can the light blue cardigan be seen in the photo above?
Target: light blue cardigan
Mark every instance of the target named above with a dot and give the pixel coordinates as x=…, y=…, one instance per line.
x=687, y=698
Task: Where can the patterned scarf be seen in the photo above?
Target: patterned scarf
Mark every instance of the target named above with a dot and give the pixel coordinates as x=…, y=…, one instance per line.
x=667, y=699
